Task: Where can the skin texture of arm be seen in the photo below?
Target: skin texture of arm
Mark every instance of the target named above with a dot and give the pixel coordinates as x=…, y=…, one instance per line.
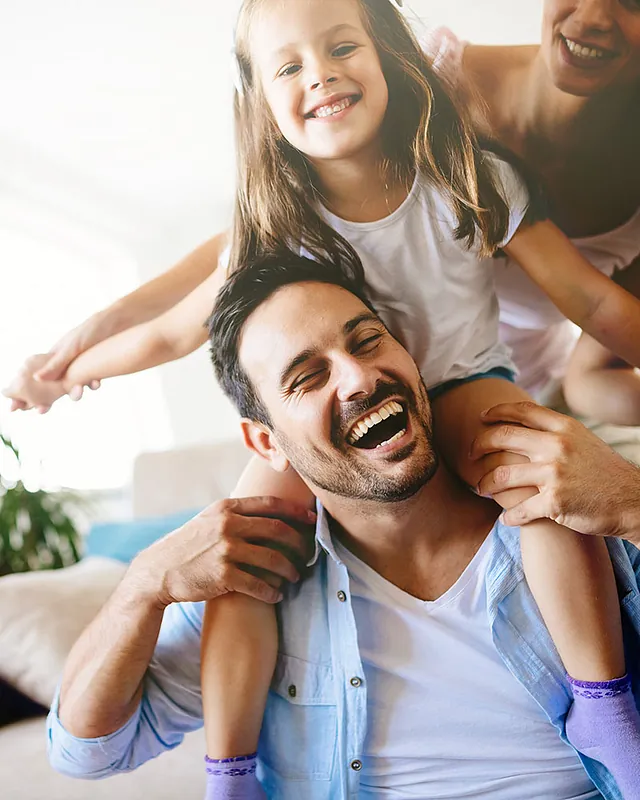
x=602, y=308
x=144, y=304
x=598, y=384
x=175, y=334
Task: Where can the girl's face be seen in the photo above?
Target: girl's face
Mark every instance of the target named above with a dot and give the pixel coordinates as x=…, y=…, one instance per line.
x=321, y=75
x=590, y=45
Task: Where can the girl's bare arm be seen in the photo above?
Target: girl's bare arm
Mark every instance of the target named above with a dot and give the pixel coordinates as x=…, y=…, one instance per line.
x=600, y=385
x=602, y=308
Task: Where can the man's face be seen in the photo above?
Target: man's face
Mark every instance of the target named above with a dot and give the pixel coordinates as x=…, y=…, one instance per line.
x=348, y=407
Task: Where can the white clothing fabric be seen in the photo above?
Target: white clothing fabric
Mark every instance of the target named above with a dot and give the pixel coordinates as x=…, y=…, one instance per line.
x=446, y=718
x=541, y=340
x=435, y=295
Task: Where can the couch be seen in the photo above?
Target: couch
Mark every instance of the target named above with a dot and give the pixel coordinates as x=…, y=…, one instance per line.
x=163, y=483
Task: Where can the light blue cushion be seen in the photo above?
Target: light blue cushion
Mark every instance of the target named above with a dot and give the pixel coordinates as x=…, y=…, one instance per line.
x=124, y=540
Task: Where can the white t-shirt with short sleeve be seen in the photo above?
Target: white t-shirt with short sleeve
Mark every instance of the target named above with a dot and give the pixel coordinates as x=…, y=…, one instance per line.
x=435, y=295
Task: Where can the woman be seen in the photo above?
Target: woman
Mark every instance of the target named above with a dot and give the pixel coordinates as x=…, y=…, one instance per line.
x=570, y=109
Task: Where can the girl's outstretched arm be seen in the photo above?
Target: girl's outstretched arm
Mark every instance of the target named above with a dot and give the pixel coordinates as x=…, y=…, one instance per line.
x=598, y=305
x=145, y=303
x=175, y=334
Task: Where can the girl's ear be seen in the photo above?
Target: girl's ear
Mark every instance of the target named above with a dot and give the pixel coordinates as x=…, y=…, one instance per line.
x=260, y=440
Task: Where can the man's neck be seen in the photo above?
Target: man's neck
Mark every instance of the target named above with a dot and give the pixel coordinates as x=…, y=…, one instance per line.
x=423, y=544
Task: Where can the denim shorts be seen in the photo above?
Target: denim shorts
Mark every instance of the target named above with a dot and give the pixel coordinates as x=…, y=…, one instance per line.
x=497, y=372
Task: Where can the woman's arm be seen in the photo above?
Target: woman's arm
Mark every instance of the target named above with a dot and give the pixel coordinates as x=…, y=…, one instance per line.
x=602, y=308
x=600, y=385
x=144, y=304
x=175, y=334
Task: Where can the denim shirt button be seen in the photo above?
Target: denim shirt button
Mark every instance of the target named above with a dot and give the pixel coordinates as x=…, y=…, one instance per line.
x=292, y=691
x=356, y=682
x=342, y=597
x=356, y=765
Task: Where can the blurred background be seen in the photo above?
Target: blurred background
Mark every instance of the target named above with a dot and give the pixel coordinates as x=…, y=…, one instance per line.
x=116, y=151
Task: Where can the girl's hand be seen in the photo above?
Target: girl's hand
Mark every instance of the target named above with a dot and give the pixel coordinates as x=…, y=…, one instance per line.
x=26, y=392
x=54, y=364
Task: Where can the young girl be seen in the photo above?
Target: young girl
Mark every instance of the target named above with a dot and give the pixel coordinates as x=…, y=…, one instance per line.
x=350, y=147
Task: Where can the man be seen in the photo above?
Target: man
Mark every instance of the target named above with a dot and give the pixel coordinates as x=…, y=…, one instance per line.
x=413, y=660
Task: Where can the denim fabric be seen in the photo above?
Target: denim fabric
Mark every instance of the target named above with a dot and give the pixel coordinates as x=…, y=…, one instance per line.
x=315, y=722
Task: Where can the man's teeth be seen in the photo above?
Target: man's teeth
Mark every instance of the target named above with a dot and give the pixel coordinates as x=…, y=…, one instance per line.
x=360, y=428
x=329, y=111
x=584, y=52
x=395, y=438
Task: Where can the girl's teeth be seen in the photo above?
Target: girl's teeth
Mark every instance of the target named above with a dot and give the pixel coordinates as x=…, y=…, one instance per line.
x=583, y=52
x=328, y=111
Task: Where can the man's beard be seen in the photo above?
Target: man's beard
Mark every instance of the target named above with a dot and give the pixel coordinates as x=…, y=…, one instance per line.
x=340, y=472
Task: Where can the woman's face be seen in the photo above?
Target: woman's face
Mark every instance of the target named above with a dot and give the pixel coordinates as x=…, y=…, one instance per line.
x=590, y=45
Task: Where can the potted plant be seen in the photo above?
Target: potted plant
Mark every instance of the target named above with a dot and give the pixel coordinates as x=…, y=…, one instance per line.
x=37, y=530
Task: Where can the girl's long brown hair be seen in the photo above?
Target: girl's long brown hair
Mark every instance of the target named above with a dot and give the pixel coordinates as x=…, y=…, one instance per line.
x=424, y=129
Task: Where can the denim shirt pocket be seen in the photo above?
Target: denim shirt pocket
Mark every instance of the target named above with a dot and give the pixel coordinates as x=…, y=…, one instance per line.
x=299, y=730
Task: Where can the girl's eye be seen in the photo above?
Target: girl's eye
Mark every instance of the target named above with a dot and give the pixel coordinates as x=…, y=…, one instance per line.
x=291, y=69
x=344, y=50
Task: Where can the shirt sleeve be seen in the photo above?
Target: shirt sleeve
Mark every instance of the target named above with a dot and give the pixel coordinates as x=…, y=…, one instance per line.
x=514, y=190
x=171, y=706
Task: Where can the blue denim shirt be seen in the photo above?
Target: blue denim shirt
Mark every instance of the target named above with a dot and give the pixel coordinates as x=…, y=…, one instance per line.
x=315, y=722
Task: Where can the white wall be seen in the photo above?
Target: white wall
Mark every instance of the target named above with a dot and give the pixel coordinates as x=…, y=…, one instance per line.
x=118, y=114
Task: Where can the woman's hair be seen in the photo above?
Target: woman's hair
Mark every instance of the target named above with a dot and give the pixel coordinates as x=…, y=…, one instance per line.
x=424, y=129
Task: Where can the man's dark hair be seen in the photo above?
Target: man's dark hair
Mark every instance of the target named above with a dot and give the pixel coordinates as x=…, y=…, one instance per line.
x=243, y=292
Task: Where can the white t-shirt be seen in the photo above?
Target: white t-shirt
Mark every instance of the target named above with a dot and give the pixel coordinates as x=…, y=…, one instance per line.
x=446, y=718
x=435, y=295
x=540, y=338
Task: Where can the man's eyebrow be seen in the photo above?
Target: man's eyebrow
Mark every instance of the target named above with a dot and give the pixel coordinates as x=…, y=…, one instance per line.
x=368, y=316
x=295, y=362
x=343, y=26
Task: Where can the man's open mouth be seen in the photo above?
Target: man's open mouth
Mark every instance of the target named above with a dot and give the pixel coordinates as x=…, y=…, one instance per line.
x=381, y=427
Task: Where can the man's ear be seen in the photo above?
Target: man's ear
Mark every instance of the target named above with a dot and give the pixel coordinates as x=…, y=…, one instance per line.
x=260, y=440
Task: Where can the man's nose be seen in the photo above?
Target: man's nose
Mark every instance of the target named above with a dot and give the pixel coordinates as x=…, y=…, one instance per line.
x=356, y=379
x=594, y=16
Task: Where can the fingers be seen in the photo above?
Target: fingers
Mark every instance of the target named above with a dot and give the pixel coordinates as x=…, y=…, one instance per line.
x=265, y=558
x=253, y=586
x=531, y=443
x=268, y=531
x=270, y=507
x=529, y=414
x=528, y=511
x=55, y=367
x=18, y=405
x=513, y=476
x=94, y=385
x=76, y=393
x=43, y=409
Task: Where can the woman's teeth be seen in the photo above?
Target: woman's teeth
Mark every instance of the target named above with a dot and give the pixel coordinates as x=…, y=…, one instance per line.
x=583, y=52
x=336, y=108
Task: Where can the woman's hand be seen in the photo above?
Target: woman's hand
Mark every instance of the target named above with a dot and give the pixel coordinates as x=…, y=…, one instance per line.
x=89, y=333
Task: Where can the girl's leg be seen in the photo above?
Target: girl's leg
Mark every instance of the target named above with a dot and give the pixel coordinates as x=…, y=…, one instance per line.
x=239, y=650
x=572, y=581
